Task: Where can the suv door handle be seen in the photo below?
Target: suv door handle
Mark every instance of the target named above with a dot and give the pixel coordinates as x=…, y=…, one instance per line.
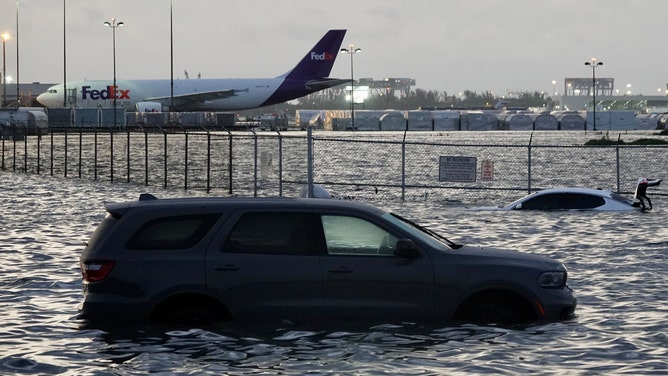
x=227, y=268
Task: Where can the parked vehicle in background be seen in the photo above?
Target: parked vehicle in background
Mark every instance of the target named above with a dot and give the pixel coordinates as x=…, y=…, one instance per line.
x=586, y=199
x=272, y=121
x=275, y=258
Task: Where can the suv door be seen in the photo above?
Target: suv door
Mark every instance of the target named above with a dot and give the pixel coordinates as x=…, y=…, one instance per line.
x=265, y=264
x=362, y=277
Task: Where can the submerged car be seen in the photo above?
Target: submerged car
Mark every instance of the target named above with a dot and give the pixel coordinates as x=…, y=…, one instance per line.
x=586, y=199
x=192, y=259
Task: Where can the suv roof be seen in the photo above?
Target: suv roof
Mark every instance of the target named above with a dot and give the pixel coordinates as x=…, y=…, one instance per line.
x=149, y=201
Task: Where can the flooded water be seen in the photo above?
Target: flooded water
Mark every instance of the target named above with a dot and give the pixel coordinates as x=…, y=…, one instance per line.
x=618, y=267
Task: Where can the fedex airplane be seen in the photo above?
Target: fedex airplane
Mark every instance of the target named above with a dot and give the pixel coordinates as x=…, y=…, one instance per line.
x=309, y=76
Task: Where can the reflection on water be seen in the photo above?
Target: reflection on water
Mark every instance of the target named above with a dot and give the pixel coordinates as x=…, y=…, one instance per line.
x=297, y=349
x=617, y=266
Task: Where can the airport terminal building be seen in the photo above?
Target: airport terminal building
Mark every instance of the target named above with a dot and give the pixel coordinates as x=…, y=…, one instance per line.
x=27, y=93
x=578, y=96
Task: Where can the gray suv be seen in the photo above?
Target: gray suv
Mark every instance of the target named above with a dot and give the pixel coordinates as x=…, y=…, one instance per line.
x=275, y=258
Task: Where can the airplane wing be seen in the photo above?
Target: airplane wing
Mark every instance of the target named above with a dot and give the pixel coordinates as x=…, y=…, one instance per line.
x=183, y=99
x=324, y=83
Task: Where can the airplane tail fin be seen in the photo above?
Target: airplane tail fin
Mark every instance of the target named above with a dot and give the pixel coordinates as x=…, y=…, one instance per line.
x=319, y=61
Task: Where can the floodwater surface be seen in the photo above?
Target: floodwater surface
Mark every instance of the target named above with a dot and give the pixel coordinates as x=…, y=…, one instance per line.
x=617, y=262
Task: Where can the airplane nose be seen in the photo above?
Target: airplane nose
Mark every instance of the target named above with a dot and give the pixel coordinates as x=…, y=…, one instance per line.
x=43, y=99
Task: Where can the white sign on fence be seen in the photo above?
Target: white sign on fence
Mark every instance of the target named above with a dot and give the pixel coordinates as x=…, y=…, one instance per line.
x=457, y=169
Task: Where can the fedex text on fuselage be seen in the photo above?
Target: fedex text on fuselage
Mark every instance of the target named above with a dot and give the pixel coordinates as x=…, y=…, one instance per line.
x=110, y=92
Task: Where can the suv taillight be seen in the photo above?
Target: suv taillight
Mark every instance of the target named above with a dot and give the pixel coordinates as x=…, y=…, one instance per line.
x=95, y=270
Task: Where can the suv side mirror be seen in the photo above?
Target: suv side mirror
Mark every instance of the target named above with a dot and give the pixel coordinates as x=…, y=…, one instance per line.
x=405, y=248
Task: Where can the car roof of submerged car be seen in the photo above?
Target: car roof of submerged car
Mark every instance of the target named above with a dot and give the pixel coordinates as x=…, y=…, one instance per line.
x=548, y=191
x=243, y=202
x=591, y=191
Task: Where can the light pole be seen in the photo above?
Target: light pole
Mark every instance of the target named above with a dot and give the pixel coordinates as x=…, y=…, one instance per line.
x=18, y=65
x=351, y=50
x=593, y=63
x=171, y=57
x=113, y=25
x=5, y=36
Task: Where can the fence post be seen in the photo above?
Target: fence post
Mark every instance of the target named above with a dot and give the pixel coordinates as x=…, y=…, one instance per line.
x=94, y=153
x=165, y=158
x=229, y=163
x=529, y=165
x=80, y=150
x=111, y=151
x=128, y=155
x=208, y=161
x=25, y=151
x=254, y=162
x=185, y=161
x=619, y=189
x=39, y=154
x=280, y=164
x=51, y=158
x=14, y=149
x=66, y=151
x=145, y=157
x=309, y=161
x=403, y=164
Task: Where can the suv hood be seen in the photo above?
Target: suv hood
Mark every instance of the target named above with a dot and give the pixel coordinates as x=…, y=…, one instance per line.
x=488, y=255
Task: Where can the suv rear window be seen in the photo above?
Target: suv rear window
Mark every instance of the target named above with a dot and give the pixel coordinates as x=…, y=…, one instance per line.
x=177, y=232
x=102, y=230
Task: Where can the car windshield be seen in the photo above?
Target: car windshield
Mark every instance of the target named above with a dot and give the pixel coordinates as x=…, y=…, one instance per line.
x=425, y=234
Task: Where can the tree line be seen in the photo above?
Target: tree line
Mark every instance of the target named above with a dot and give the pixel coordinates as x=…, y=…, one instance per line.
x=335, y=99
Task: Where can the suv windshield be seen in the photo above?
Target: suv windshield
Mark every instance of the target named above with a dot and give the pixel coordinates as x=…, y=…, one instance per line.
x=425, y=234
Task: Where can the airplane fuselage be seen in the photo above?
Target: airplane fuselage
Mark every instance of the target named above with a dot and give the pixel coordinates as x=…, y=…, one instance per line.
x=249, y=93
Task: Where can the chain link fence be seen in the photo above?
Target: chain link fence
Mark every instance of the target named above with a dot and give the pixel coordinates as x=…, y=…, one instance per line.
x=374, y=165
x=410, y=166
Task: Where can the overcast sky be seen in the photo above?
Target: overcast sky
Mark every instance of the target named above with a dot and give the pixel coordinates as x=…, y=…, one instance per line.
x=445, y=45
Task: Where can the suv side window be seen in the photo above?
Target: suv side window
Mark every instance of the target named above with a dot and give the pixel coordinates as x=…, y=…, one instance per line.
x=284, y=233
x=355, y=236
x=175, y=232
